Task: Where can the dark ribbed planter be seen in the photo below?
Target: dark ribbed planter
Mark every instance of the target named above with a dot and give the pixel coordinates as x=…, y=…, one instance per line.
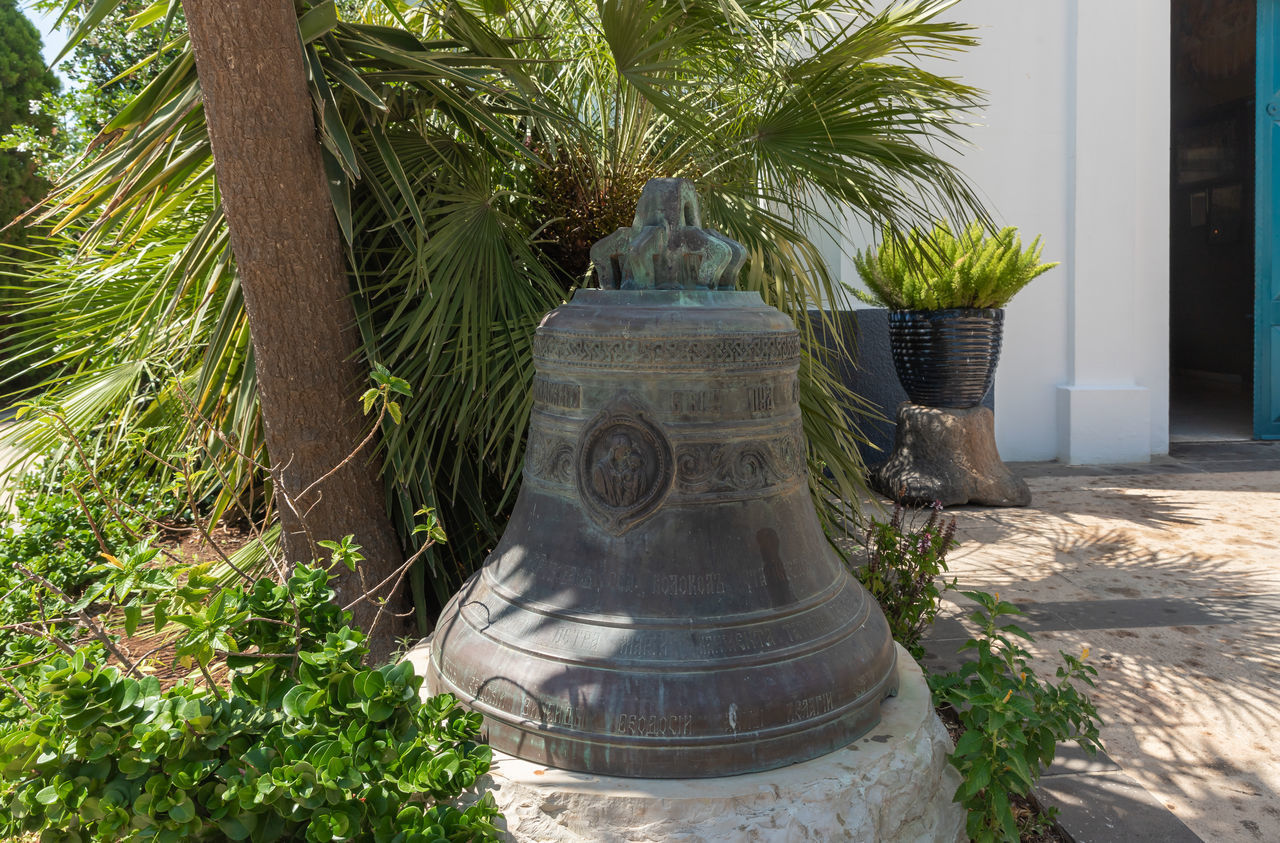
x=946, y=358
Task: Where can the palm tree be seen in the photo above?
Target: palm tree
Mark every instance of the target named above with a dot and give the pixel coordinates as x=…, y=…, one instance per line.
x=475, y=154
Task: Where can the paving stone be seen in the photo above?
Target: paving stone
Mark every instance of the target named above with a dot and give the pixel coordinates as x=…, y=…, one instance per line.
x=1162, y=465
x=1189, y=700
x=1250, y=609
x=1071, y=760
x=1224, y=450
x=948, y=629
x=942, y=645
x=945, y=659
x=1183, y=458
x=1110, y=807
x=1232, y=466
x=1130, y=613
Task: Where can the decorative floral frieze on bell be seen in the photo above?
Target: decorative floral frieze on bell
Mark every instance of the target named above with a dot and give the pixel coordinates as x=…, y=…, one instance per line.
x=666, y=247
x=663, y=602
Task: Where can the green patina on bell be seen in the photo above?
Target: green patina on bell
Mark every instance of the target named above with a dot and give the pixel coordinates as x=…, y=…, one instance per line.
x=663, y=602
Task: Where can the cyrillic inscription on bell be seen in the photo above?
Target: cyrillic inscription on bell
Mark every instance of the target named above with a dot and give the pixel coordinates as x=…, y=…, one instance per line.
x=664, y=603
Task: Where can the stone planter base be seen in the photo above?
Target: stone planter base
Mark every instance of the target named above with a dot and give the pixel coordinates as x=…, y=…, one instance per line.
x=892, y=784
x=950, y=456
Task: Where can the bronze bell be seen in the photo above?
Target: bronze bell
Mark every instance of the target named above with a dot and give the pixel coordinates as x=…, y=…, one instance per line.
x=664, y=603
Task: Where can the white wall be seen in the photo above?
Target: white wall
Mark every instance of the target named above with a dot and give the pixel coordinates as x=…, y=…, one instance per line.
x=1074, y=146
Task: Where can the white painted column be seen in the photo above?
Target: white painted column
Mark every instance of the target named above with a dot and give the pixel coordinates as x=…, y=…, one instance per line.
x=1117, y=264
x=1074, y=145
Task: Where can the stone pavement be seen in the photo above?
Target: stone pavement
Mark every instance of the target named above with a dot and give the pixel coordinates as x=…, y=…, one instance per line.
x=1170, y=574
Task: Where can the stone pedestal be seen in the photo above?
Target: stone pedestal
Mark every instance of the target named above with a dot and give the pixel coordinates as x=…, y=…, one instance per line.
x=892, y=784
x=949, y=456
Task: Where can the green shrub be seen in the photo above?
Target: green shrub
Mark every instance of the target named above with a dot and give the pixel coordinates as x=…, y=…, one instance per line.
x=938, y=270
x=1013, y=720
x=52, y=538
x=903, y=565
x=307, y=743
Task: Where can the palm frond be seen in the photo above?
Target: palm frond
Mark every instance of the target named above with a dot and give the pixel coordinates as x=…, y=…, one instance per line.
x=474, y=155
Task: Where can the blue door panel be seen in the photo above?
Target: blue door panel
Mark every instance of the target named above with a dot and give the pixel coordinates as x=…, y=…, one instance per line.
x=1266, y=310
x=1271, y=408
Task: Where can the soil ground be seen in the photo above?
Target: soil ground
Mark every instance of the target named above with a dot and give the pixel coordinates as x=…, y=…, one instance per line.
x=192, y=545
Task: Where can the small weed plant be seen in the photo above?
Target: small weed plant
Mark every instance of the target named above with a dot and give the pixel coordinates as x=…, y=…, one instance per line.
x=1013, y=720
x=904, y=571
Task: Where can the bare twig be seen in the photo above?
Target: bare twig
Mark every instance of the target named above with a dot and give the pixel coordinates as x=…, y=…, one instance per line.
x=5, y=596
x=194, y=412
x=262, y=655
x=93, y=525
x=93, y=478
x=275, y=621
x=203, y=527
x=27, y=663
x=107, y=501
x=277, y=474
x=373, y=432
x=34, y=628
x=26, y=625
x=213, y=686
x=142, y=659
x=19, y=694
x=194, y=415
x=394, y=578
x=198, y=525
x=254, y=529
x=172, y=557
x=89, y=623
x=398, y=573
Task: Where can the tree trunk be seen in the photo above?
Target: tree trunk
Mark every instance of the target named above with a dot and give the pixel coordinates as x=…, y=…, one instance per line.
x=289, y=254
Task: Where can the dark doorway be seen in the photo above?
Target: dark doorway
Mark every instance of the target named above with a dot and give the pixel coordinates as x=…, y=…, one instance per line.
x=1211, y=281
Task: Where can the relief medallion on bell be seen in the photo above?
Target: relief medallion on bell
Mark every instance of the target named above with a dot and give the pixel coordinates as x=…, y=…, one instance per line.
x=624, y=464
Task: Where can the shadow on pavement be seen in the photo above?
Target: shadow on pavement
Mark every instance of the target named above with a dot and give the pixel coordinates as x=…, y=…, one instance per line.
x=1173, y=582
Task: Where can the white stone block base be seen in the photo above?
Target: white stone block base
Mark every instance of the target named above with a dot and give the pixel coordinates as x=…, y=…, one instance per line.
x=892, y=784
x=1104, y=424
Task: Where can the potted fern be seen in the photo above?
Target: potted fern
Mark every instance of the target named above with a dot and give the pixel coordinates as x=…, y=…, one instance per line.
x=946, y=294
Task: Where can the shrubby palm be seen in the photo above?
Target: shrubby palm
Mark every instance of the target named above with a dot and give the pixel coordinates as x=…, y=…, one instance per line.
x=475, y=154
x=150, y=347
